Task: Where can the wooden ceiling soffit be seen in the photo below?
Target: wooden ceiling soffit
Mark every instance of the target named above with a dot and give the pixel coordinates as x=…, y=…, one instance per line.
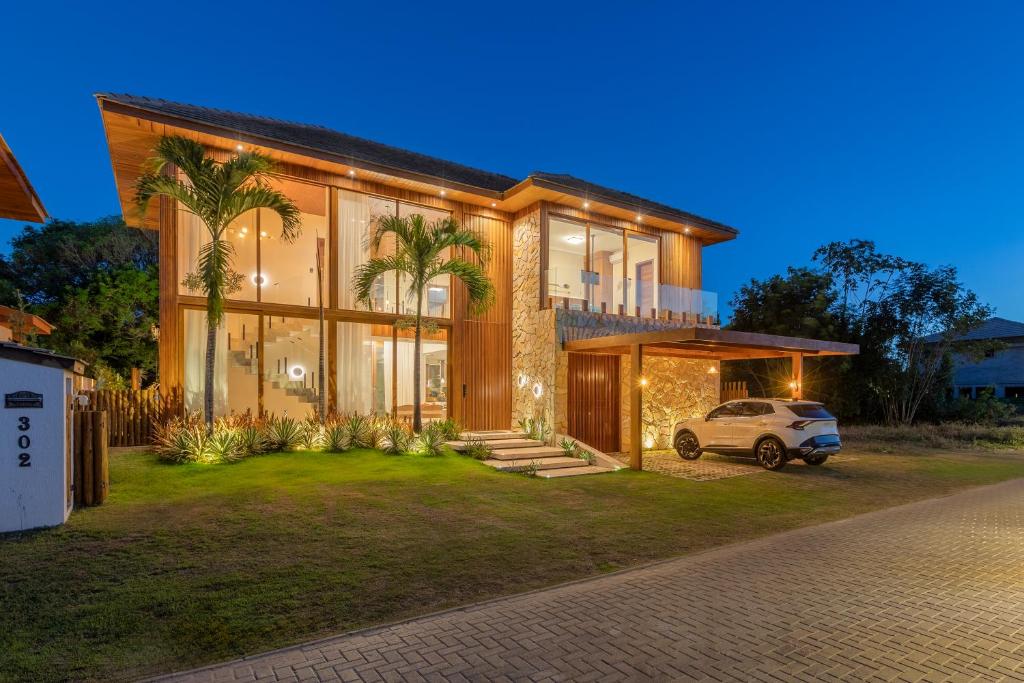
x=18, y=199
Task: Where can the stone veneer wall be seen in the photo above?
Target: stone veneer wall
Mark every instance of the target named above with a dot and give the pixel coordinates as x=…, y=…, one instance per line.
x=677, y=387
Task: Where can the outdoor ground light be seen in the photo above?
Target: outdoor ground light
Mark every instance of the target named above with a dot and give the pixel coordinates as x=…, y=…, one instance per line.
x=643, y=381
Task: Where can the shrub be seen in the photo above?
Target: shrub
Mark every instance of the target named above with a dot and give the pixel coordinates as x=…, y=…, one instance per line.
x=477, y=449
x=283, y=433
x=433, y=438
x=397, y=437
x=359, y=430
x=223, y=445
x=251, y=440
x=182, y=440
x=941, y=435
x=450, y=429
x=986, y=409
x=311, y=433
x=569, y=447
x=335, y=437
x=535, y=428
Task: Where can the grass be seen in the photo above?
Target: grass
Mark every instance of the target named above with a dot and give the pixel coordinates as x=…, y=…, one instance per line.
x=190, y=564
x=945, y=435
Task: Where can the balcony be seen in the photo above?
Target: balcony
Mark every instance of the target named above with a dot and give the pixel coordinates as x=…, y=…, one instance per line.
x=584, y=291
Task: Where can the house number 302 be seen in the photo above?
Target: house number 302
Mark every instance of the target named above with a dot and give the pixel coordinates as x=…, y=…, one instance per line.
x=24, y=458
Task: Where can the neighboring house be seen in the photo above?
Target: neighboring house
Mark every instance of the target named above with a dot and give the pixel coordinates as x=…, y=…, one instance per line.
x=1001, y=372
x=19, y=327
x=18, y=199
x=591, y=282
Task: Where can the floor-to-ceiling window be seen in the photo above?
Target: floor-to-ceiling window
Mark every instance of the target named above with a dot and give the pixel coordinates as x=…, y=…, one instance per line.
x=600, y=268
x=241, y=234
x=289, y=267
x=291, y=361
x=236, y=363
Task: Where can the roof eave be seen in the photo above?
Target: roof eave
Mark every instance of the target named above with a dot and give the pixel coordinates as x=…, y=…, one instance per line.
x=35, y=211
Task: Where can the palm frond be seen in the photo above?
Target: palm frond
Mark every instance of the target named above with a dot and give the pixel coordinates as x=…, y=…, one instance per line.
x=391, y=225
x=258, y=196
x=153, y=185
x=366, y=274
x=479, y=288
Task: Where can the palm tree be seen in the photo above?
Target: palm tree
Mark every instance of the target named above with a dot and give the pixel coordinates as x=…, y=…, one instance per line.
x=420, y=249
x=216, y=193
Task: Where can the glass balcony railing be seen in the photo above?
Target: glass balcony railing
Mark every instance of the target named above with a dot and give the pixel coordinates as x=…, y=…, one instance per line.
x=589, y=291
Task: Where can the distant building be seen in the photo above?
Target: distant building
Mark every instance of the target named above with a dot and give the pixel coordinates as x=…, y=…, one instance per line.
x=19, y=327
x=999, y=371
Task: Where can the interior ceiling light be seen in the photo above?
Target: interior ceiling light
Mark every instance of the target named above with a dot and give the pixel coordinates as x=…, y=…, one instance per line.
x=574, y=239
x=494, y=204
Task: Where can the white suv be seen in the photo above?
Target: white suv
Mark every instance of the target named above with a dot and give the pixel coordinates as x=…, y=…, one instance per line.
x=771, y=430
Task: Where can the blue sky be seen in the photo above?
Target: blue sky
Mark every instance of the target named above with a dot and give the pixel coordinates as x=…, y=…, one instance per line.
x=798, y=123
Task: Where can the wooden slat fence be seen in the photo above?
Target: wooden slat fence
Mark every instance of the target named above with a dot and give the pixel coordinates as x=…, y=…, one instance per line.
x=131, y=413
x=92, y=461
x=733, y=390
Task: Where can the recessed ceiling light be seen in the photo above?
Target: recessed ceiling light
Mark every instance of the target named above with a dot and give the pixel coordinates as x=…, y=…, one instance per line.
x=352, y=172
x=639, y=219
x=494, y=204
x=687, y=231
x=443, y=193
x=239, y=147
x=586, y=205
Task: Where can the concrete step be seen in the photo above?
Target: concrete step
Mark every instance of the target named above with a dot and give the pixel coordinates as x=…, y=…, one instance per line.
x=542, y=464
x=533, y=452
x=498, y=443
x=492, y=435
x=572, y=471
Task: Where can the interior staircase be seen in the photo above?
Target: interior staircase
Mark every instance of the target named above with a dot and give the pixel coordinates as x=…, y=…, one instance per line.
x=277, y=339
x=516, y=452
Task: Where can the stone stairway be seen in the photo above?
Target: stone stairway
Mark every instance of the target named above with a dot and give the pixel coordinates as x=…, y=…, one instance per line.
x=516, y=452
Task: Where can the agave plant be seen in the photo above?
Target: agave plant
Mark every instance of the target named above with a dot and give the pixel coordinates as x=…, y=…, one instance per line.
x=311, y=433
x=283, y=433
x=335, y=436
x=251, y=440
x=182, y=440
x=432, y=439
x=449, y=427
x=223, y=445
x=570, y=447
x=359, y=430
x=397, y=437
x=478, y=449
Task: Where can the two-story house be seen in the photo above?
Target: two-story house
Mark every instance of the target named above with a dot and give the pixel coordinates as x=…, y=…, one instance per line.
x=999, y=372
x=592, y=283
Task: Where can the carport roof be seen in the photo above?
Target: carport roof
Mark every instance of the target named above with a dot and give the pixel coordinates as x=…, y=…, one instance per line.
x=712, y=344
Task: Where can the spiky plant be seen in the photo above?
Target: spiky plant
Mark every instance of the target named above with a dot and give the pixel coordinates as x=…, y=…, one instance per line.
x=450, y=428
x=396, y=437
x=217, y=194
x=359, y=430
x=311, y=433
x=424, y=251
x=283, y=433
x=432, y=439
x=181, y=440
x=335, y=437
x=478, y=449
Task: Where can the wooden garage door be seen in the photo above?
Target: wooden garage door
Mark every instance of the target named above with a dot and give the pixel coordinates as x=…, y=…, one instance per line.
x=593, y=404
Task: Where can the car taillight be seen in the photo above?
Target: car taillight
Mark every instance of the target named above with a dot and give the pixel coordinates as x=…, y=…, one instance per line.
x=800, y=424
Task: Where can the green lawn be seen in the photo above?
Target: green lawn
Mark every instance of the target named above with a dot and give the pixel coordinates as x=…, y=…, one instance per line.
x=186, y=565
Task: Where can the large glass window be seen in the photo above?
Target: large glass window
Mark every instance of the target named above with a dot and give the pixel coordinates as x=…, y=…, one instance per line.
x=288, y=269
x=291, y=360
x=606, y=265
x=433, y=374
x=236, y=365
x=567, y=278
x=241, y=234
x=363, y=362
x=642, y=275
x=358, y=214
x=436, y=298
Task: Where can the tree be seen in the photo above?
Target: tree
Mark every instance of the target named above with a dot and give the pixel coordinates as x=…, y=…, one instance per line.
x=217, y=194
x=886, y=304
x=420, y=249
x=96, y=282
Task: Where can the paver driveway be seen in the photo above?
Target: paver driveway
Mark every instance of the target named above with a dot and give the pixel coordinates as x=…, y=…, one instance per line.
x=931, y=591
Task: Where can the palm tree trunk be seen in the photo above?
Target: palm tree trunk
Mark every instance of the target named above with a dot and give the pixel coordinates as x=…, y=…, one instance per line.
x=417, y=416
x=211, y=355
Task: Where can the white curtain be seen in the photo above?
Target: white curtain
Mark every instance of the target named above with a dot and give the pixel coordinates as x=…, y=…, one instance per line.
x=353, y=241
x=195, y=364
x=355, y=366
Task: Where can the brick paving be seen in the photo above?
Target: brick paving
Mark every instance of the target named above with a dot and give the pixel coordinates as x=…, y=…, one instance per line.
x=932, y=591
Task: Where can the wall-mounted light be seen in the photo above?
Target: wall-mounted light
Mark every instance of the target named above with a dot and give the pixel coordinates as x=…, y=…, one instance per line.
x=259, y=280
x=712, y=370
x=523, y=381
x=538, y=390
x=794, y=385
x=297, y=371
x=643, y=381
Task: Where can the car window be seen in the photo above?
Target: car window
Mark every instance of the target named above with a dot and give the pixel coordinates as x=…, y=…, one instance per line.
x=749, y=409
x=761, y=408
x=810, y=410
x=727, y=410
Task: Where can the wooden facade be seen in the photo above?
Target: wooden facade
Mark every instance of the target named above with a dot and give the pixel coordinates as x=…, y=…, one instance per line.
x=479, y=367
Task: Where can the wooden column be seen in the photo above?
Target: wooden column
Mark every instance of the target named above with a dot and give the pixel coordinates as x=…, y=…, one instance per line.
x=636, y=437
x=798, y=375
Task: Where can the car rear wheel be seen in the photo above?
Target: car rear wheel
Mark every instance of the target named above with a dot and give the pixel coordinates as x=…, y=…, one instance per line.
x=771, y=453
x=818, y=459
x=687, y=446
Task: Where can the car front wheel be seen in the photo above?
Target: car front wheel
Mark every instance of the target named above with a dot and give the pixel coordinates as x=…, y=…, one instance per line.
x=771, y=453
x=687, y=446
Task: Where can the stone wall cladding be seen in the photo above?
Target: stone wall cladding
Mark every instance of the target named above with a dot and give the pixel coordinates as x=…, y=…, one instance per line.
x=534, y=348
x=677, y=387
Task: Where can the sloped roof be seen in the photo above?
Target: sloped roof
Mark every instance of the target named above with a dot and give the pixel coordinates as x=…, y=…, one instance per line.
x=356, y=149
x=993, y=328
x=18, y=199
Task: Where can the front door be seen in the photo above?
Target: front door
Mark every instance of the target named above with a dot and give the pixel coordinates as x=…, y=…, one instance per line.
x=593, y=401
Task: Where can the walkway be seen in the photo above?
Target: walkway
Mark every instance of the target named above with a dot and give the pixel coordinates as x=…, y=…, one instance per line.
x=928, y=591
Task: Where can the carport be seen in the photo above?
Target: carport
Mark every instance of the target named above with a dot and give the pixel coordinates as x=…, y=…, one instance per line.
x=701, y=343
